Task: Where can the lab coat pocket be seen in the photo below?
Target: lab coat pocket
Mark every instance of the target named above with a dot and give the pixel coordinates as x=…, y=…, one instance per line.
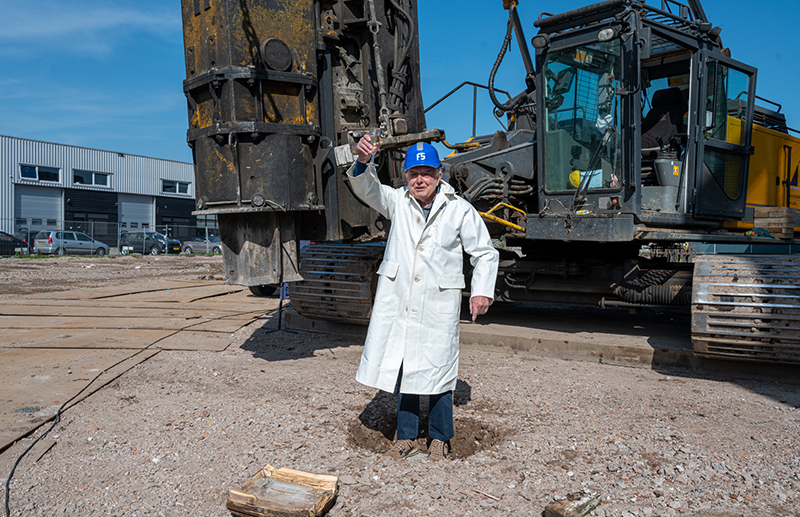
x=449, y=296
x=387, y=275
x=440, y=344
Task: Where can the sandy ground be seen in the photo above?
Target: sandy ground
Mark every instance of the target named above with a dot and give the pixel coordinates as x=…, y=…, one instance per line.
x=174, y=434
x=48, y=274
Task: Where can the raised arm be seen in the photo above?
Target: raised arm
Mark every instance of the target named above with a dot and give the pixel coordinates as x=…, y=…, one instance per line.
x=365, y=183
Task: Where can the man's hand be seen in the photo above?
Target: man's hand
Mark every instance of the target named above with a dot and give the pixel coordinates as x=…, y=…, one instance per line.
x=478, y=305
x=365, y=148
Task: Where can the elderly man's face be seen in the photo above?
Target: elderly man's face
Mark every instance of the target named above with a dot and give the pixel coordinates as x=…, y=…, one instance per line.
x=422, y=182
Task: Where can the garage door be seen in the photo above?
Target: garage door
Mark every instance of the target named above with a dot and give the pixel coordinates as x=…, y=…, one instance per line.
x=37, y=208
x=136, y=211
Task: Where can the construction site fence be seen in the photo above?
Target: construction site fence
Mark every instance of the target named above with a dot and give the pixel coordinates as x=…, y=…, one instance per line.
x=107, y=233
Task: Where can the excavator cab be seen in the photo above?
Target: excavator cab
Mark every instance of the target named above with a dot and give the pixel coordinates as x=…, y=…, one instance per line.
x=643, y=116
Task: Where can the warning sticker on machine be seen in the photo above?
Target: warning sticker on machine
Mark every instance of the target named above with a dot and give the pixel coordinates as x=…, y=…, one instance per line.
x=794, y=198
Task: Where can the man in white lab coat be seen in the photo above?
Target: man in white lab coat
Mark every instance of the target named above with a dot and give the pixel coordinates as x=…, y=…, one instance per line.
x=414, y=328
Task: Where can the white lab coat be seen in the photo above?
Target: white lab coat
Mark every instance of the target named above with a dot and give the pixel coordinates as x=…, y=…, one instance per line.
x=415, y=318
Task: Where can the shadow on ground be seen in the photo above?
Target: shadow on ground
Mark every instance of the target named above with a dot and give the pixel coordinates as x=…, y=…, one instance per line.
x=270, y=340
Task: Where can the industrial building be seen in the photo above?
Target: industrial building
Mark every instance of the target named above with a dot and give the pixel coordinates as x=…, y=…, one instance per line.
x=49, y=186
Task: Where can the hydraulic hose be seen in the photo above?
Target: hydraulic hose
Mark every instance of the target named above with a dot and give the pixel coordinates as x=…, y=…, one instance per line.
x=513, y=103
x=400, y=67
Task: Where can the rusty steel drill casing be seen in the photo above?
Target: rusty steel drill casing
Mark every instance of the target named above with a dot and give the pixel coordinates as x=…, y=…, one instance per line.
x=272, y=87
x=253, y=103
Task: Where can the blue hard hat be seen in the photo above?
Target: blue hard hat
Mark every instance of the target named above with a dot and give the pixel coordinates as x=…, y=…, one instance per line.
x=421, y=153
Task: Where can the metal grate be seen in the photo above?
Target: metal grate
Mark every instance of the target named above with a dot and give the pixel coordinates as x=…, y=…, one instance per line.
x=338, y=282
x=586, y=93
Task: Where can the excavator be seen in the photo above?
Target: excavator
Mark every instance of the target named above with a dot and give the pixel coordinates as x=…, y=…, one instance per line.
x=637, y=137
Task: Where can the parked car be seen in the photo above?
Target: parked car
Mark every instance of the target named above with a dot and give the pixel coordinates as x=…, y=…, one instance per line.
x=202, y=245
x=147, y=242
x=27, y=237
x=10, y=245
x=72, y=243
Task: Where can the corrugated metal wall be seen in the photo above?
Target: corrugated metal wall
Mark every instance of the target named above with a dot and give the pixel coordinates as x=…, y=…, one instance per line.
x=129, y=174
x=6, y=184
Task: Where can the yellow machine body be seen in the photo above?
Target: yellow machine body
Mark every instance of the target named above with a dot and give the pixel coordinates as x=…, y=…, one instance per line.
x=773, y=175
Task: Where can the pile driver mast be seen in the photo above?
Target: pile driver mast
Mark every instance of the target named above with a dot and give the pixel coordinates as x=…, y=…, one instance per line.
x=273, y=87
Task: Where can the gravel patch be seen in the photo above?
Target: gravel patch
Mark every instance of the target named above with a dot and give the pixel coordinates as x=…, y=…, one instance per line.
x=52, y=274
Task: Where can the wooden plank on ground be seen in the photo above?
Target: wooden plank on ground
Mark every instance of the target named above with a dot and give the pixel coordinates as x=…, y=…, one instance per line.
x=185, y=295
x=216, y=307
x=36, y=384
x=189, y=340
x=81, y=338
x=107, y=312
x=230, y=325
x=120, y=290
x=23, y=322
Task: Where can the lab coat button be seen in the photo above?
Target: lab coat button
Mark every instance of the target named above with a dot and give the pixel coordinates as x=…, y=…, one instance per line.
x=416, y=279
x=422, y=248
x=419, y=219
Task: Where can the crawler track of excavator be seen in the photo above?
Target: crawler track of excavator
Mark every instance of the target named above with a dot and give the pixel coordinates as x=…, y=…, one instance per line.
x=743, y=307
x=747, y=308
x=338, y=282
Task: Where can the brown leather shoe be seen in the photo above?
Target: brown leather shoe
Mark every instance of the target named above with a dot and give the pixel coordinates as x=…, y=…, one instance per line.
x=403, y=449
x=438, y=451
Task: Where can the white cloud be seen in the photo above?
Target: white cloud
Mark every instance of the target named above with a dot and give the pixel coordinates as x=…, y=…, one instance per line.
x=92, y=27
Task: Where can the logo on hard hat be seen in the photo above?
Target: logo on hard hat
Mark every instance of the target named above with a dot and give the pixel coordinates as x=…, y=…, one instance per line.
x=421, y=154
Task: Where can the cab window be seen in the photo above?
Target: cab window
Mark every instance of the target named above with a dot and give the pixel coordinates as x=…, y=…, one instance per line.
x=582, y=133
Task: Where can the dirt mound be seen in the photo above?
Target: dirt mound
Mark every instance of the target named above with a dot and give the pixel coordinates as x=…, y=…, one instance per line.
x=473, y=436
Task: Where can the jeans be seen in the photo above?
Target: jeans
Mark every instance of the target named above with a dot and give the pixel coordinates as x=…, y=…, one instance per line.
x=440, y=418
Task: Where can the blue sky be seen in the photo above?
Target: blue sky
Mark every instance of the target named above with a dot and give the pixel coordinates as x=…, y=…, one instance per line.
x=107, y=74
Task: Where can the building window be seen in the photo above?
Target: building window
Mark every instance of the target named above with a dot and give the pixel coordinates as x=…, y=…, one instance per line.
x=99, y=179
x=39, y=173
x=82, y=177
x=174, y=187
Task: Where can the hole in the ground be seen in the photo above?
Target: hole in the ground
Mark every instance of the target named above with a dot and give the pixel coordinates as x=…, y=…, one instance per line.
x=376, y=426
